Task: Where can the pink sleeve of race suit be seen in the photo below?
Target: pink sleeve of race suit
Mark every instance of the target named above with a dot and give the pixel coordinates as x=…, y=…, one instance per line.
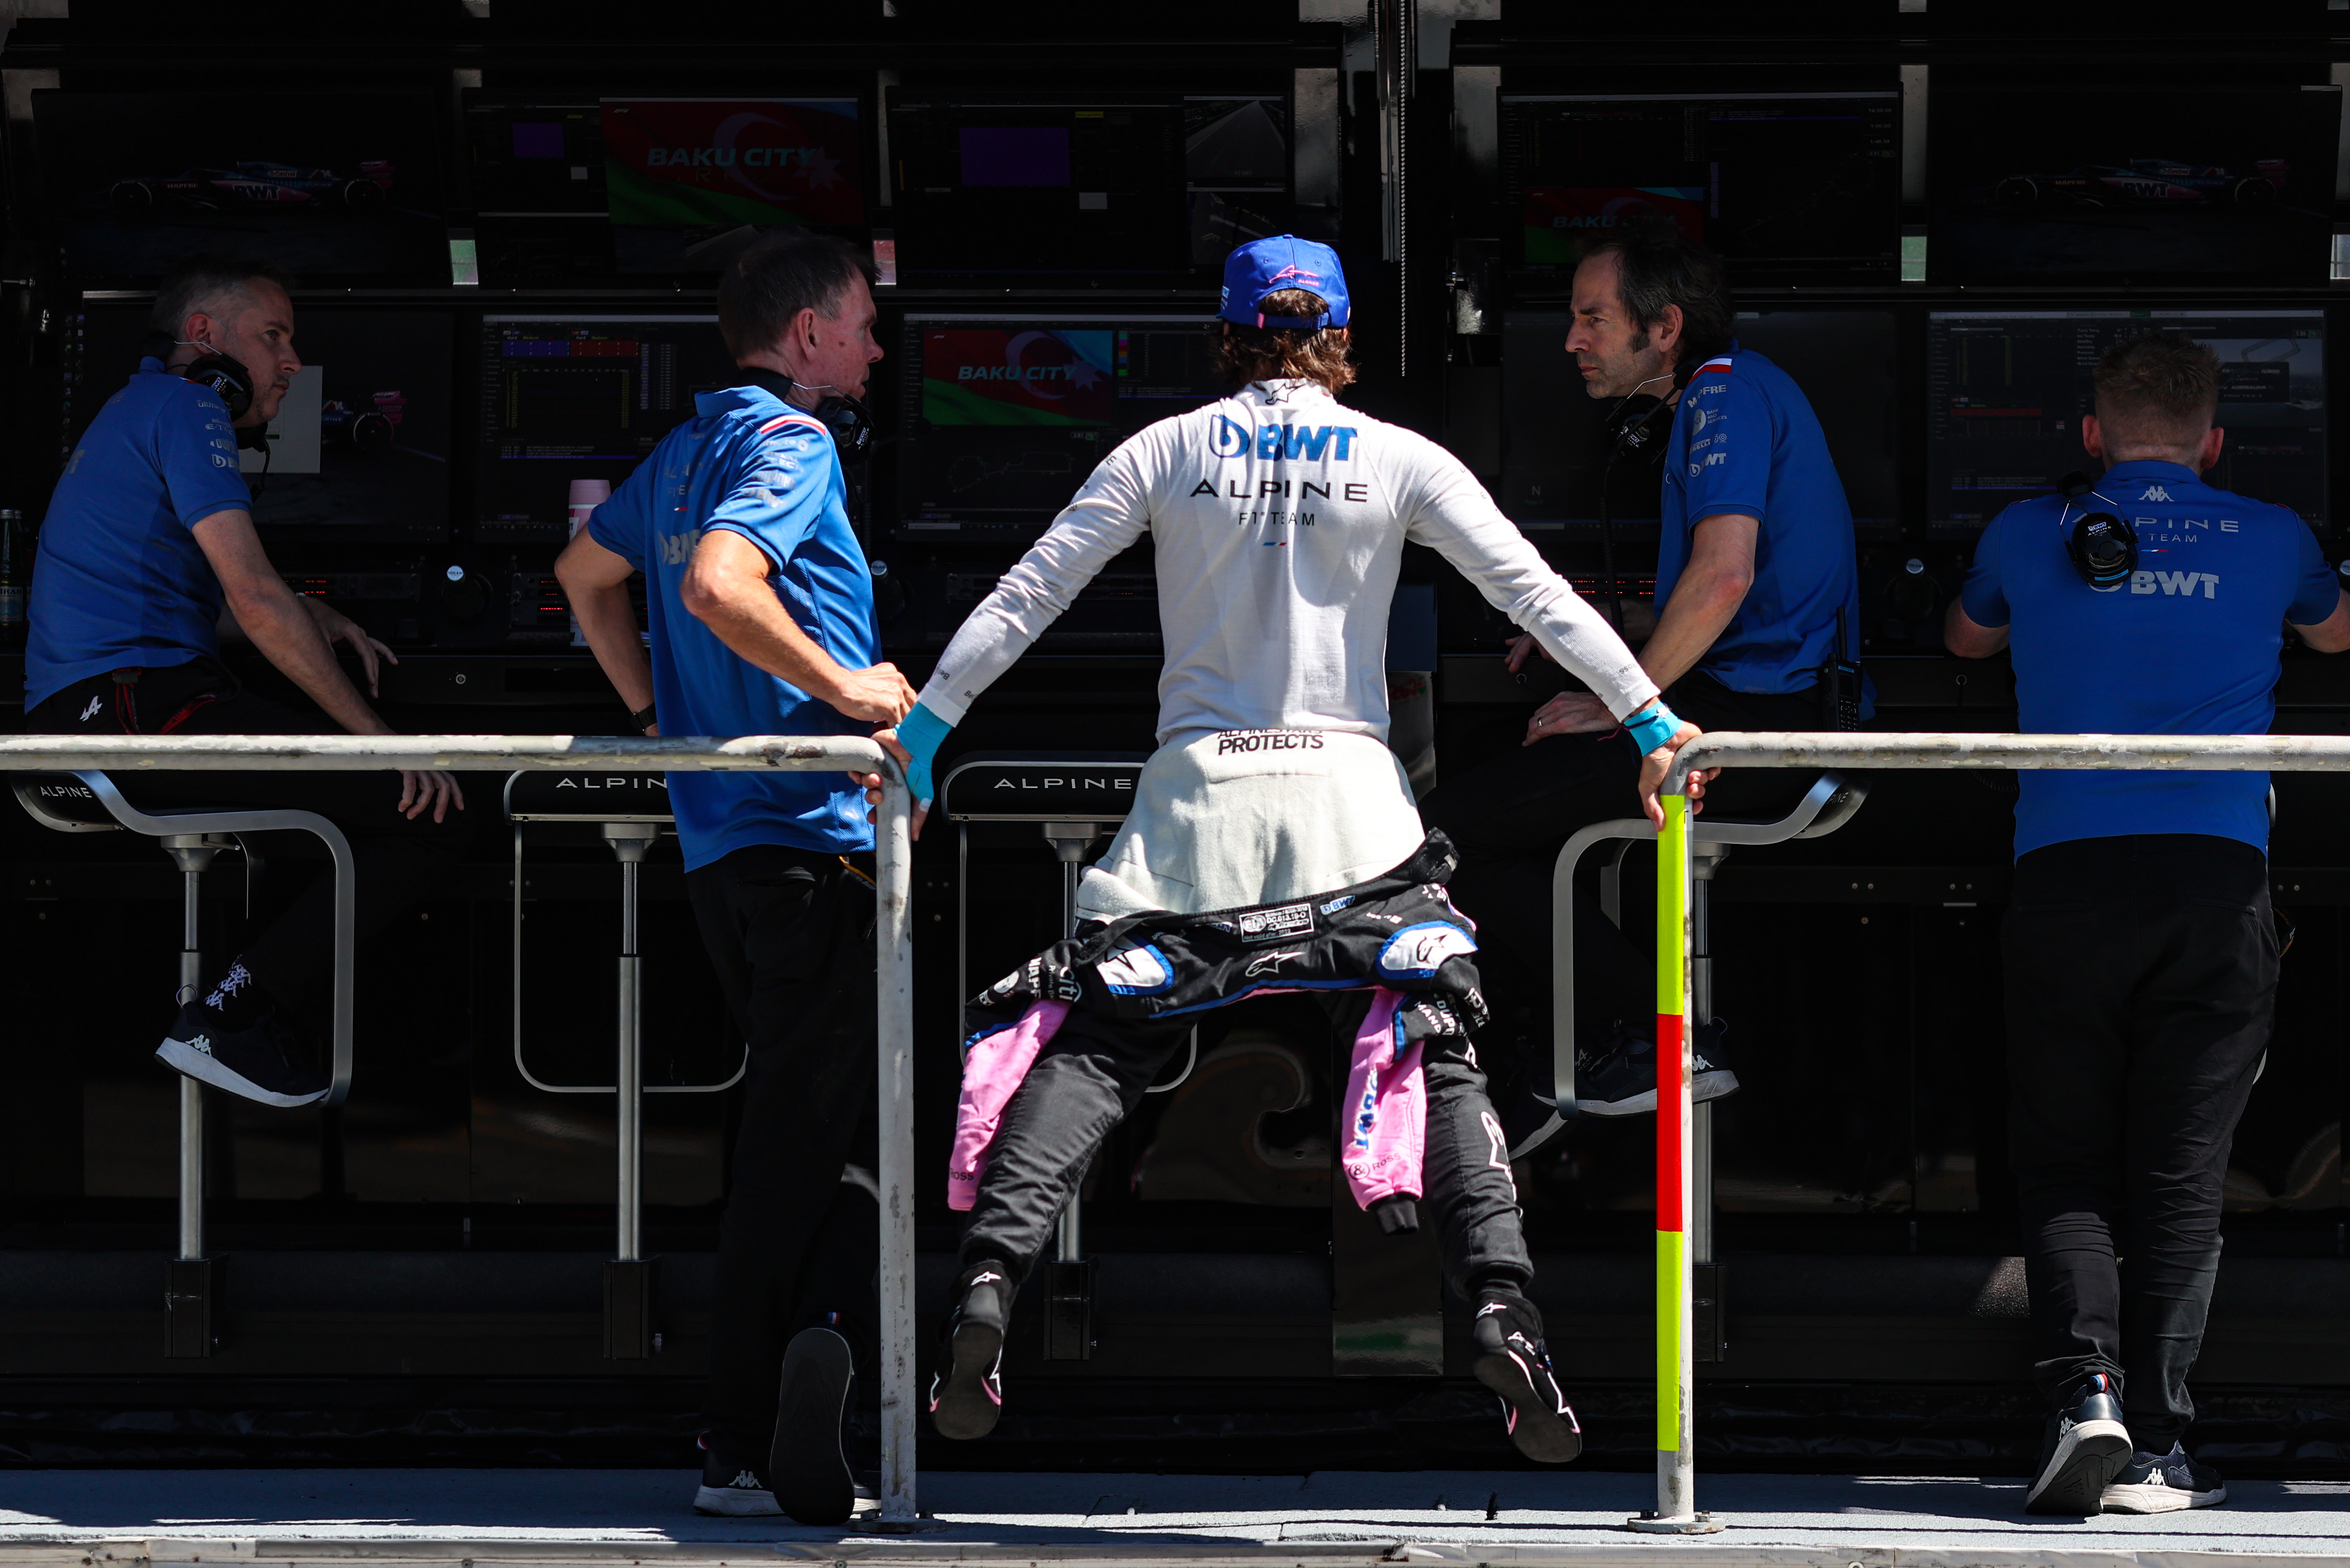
x=990, y=1073
x=1387, y=1102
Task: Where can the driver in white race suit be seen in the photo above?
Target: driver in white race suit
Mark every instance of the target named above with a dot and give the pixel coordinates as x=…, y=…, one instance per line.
x=1278, y=519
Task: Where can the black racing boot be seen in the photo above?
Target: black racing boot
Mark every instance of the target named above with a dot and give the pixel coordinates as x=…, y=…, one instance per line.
x=1513, y=1362
x=967, y=1388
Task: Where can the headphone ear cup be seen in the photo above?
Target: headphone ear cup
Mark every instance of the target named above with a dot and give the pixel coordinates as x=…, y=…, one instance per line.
x=226, y=377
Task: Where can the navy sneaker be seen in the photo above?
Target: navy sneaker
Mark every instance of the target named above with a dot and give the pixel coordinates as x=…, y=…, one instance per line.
x=2085, y=1447
x=967, y=1389
x=263, y=1061
x=731, y=1487
x=807, y=1467
x=1619, y=1079
x=2164, y=1483
x=1512, y=1361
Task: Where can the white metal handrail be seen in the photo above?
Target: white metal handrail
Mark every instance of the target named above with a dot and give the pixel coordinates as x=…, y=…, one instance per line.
x=798, y=753
x=1676, y=1510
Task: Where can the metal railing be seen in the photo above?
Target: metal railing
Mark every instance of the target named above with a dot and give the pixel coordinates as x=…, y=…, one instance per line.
x=750, y=754
x=1676, y=1510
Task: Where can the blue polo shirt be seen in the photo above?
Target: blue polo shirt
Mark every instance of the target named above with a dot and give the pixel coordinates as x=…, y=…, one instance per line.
x=748, y=463
x=2188, y=647
x=1745, y=440
x=118, y=580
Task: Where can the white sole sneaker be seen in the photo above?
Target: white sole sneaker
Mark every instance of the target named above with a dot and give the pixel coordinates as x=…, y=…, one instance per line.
x=192, y=1060
x=2075, y=1480
x=2156, y=1498
x=735, y=1502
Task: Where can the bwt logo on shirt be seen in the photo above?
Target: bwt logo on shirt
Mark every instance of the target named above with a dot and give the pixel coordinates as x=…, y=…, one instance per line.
x=676, y=549
x=1276, y=443
x=2182, y=583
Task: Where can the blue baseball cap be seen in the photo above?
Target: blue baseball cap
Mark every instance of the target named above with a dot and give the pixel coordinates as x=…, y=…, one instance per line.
x=1262, y=266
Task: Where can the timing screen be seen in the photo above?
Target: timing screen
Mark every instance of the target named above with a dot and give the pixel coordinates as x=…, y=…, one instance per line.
x=1005, y=417
x=567, y=398
x=1787, y=185
x=2007, y=391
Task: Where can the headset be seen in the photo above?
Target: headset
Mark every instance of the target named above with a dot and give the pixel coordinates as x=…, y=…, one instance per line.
x=851, y=422
x=2103, y=545
x=226, y=377
x=1629, y=437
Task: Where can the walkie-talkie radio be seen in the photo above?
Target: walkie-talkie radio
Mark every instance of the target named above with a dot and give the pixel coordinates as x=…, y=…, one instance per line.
x=1840, y=686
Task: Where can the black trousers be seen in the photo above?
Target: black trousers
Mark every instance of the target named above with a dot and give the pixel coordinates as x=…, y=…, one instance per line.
x=791, y=934
x=2141, y=982
x=396, y=860
x=1510, y=818
x=1091, y=1073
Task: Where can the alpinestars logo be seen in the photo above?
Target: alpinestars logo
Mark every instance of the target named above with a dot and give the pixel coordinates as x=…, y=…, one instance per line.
x=2155, y=492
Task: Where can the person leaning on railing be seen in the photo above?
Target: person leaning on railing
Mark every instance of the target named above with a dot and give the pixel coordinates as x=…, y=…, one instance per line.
x=761, y=613
x=148, y=561
x=1757, y=597
x=2139, y=951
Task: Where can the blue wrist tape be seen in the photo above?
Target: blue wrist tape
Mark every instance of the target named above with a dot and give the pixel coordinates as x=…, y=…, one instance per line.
x=1651, y=727
x=920, y=732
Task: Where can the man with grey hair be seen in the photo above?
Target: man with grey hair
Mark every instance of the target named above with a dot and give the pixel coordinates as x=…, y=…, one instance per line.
x=147, y=561
x=760, y=610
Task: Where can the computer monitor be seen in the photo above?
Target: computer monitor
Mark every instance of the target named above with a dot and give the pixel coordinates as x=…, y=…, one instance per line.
x=1788, y=187
x=1555, y=441
x=343, y=186
x=579, y=397
x=541, y=218
x=360, y=448
x=2006, y=390
x=1141, y=187
x=2133, y=183
x=1003, y=417
x=690, y=183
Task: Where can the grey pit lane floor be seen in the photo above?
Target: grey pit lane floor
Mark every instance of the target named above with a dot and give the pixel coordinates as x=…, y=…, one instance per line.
x=101, y=1518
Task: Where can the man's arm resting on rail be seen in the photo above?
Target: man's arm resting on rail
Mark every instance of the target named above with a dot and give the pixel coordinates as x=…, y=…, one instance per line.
x=1962, y=636
x=276, y=620
x=727, y=589
x=1721, y=570
x=2330, y=635
x=596, y=581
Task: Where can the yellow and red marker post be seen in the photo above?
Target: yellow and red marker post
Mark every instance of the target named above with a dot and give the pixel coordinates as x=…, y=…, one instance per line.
x=1676, y=1510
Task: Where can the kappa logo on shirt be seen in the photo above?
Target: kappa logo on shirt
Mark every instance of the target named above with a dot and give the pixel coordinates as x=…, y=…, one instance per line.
x=2155, y=492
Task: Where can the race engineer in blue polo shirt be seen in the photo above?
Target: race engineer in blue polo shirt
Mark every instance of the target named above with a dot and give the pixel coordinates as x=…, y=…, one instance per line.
x=1756, y=591
x=761, y=622
x=148, y=561
x=2139, y=951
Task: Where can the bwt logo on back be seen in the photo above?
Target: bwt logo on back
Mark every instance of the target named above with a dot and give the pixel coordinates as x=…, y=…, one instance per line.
x=2183, y=584
x=1277, y=443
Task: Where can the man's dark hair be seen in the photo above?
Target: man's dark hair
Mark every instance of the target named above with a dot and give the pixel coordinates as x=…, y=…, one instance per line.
x=1658, y=267
x=778, y=277
x=1239, y=354
x=2159, y=390
x=206, y=283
